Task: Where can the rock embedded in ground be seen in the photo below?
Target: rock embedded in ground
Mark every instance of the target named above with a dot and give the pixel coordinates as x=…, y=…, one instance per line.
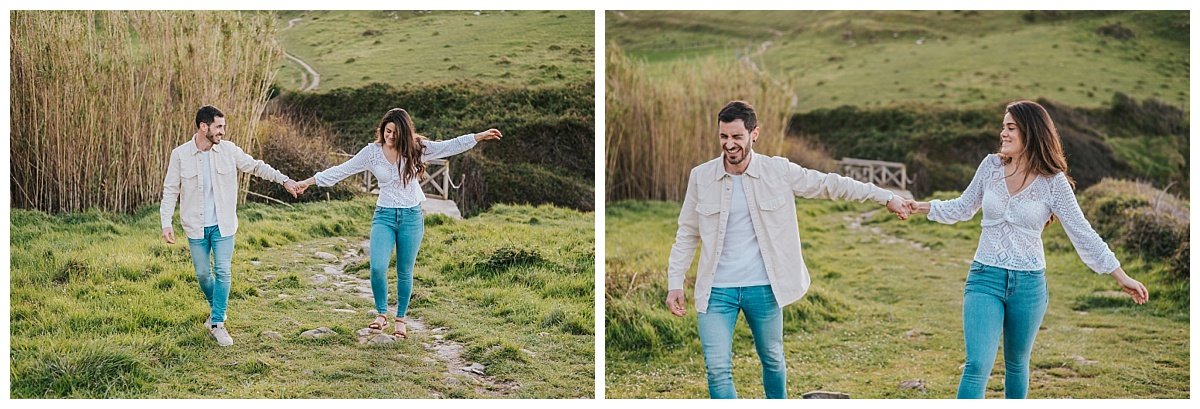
x=825, y=395
x=1083, y=361
x=325, y=256
x=272, y=335
x=475, y=368
x=255, y=263
x=918, y=384
x=319, y=278
x=333, y=271
x=317, y=333
x=345, y=310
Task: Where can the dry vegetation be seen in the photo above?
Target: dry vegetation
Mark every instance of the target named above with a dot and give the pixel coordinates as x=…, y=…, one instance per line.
x=657, y=129
x=99, y=98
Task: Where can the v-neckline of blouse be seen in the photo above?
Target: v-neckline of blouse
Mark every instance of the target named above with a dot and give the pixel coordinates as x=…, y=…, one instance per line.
x=383, y=153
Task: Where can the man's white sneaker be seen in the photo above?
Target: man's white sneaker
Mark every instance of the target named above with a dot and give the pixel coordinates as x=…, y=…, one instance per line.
x=221, y=335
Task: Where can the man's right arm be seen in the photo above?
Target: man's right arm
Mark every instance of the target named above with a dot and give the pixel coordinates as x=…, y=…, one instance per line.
x=166, y=210
x=687, y=237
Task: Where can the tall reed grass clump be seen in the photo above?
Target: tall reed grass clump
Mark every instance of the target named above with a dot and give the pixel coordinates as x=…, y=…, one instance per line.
x=658, y=127
x=100, y=98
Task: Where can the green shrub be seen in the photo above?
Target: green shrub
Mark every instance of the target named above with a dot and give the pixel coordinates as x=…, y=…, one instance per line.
x=1141, y=219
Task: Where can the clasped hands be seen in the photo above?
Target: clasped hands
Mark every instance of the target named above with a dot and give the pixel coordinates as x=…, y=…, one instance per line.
x=903, y=208
x=298, y=188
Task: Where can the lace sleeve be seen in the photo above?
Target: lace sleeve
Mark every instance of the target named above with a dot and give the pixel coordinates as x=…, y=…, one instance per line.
x=333, y=175
x=1091, y=248
x=964, y=207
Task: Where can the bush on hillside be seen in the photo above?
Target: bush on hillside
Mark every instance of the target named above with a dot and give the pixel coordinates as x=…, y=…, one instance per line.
x=299, y=148
x=1141, y=219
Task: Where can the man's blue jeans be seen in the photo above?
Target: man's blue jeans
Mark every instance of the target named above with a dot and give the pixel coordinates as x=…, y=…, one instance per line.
x=398, y=229
x=765, y=318
x=213, y=273
x=995, y=301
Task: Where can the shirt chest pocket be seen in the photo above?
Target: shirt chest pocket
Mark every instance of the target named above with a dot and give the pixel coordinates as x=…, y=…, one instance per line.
x=710, y=218
x=189, y=175
x=225, y=172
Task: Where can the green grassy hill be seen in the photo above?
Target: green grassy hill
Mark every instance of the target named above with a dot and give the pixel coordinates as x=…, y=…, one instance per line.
x=355, y=48
x=964, y=59
x=101, y=308
x=885, y=307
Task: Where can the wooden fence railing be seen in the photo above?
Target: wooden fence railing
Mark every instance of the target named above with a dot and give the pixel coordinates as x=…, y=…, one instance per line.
x=877, y=172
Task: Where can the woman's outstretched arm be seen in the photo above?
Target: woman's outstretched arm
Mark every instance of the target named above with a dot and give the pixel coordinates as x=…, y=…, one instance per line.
x=1090, y=246
x=965, y=206
x=329, y=177
x=443, y=149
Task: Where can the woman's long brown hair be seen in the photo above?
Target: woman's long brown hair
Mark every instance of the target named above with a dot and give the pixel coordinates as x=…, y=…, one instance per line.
x=408, y=143
x=1043, y=153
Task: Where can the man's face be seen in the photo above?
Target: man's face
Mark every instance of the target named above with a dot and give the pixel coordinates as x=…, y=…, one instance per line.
x=214, y=132
x=736, y=141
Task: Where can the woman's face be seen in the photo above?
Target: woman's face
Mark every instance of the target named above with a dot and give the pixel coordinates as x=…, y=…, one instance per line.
x=1012, y=143
x=389, y=134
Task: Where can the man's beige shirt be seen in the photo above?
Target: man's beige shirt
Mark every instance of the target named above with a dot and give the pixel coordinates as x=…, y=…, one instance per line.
x=182, y=183
x=772, y=186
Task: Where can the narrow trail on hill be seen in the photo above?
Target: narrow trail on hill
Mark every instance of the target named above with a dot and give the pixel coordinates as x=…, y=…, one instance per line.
x=855, y=223
x=305, y=84
x=446, y=351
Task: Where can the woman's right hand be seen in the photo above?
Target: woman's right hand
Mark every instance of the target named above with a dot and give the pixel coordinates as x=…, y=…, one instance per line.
x=304, y=184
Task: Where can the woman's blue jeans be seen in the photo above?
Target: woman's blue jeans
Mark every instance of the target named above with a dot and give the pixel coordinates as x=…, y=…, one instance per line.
x=995, y=301
x=213, y=273
x=765, y=318
x=398, y=229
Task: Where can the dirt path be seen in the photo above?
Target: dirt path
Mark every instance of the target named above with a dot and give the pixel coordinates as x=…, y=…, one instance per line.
x=305, y=83
x=448, y=352
x=856, y=224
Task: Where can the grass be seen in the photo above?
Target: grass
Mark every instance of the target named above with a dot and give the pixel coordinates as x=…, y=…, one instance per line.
x=851, y=333
x=966, y=59
x=102, y=308
x=355, y=48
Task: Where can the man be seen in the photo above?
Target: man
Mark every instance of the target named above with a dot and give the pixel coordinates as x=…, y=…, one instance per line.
x=203, y=175
x=740, y=208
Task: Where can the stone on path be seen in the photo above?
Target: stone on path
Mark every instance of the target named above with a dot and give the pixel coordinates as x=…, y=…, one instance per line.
x=319, y=278
x=475, y=368
x=332, y=270
x=325, y=256
x=1082, y=361
x=348, y=311
x=272, y=335
x=825, y=395
x=317, y=333
x=255, y=263
x=918, y=384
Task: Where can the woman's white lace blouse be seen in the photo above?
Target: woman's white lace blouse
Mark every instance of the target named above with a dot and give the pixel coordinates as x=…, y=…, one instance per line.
x=393, y=193
x=1012, y=224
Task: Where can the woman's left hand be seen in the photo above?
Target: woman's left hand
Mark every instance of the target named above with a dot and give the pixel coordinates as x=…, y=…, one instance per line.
x=1132, y=287
x=488, y=135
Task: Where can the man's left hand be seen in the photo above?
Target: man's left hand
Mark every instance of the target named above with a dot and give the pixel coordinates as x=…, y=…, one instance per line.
x=899, y=206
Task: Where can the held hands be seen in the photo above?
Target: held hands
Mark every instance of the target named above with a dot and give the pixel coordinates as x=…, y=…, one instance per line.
x=899, y=206
x=488, y=135
x=298, y=188
x=676, y=302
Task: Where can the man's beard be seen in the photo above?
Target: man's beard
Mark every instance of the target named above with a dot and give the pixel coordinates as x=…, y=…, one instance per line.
x=743, y=151
x=211, y=138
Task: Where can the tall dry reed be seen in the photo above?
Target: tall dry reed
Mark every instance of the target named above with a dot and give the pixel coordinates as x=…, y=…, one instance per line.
x=100, y=98
x=657, y=127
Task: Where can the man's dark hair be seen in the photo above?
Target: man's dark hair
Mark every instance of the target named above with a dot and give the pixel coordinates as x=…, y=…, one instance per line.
x=207, y=114
x=739, y=110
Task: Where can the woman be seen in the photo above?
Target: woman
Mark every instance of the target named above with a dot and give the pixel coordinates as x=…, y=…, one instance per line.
x=396, y=158
x=1021, y=189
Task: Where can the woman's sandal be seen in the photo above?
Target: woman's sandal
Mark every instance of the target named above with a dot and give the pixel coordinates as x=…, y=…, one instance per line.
x=376, y=325
x=400, y=330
